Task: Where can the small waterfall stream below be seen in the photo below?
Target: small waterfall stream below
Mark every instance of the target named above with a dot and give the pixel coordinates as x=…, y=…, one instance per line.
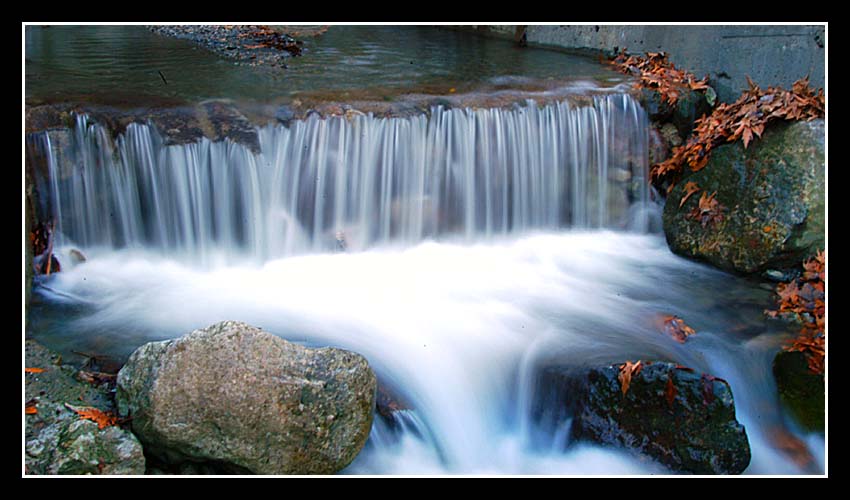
x=456, y=250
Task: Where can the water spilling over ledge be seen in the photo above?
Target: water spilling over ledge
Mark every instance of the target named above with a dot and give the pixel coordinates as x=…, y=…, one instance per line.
x=352, y=181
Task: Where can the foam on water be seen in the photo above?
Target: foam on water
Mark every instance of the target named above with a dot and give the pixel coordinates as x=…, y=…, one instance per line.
x=459, y=329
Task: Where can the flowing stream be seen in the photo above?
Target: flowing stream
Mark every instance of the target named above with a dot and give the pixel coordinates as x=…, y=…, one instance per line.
x=456, y=250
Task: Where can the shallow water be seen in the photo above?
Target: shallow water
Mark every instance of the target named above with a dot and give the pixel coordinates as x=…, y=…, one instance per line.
x=121, y=64
x=458, y=328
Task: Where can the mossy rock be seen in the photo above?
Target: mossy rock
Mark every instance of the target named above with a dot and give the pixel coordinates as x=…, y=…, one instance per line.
x=677, y=416
x=774, y=198
x=801, y=391
x=57, y=440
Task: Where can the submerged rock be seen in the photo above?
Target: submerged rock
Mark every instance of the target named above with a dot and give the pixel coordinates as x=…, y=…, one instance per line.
x=774, y=194
x=390, y=404
x=680, y=418
x=234, y=394
x=801, y=391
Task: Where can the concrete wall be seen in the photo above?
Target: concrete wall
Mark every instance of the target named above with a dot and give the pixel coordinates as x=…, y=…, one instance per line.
x=770, y=55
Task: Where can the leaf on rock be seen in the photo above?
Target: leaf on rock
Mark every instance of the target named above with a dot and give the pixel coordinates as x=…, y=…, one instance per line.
x=101, y=418
x=691, y=187
x=742, y=120
x=670, y=391
x=33, y=370
x=805, y=298
x=29, y=407
x=708, y=210
x=627, y=370
x=815, y=267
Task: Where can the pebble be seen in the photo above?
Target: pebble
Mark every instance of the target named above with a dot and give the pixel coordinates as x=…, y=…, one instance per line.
x=231, y=42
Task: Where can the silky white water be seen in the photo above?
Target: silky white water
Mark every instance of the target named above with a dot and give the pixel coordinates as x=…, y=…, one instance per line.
x=457, y=252
x=458, y=328
x=318, y=184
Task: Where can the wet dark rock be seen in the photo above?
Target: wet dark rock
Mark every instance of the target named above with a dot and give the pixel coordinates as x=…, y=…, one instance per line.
x=774, y=193
x=781, y=275
x=801, y=391
x=690, y=105
x=388, y=401
x=58, y=382
x=659, y=150
x=655, y=107
x=221, y=120
x=47, y=264
x=57, y=441
x=284, y=115
x=680, y=418
x=45, y=117
x=77, y=256
x=29, y=222
x=670, y=135
x=308, y=411
x=216, y=120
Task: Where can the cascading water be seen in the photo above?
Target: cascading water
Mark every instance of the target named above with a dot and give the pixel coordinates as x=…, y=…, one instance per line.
x=488, y=241
x=364, y=180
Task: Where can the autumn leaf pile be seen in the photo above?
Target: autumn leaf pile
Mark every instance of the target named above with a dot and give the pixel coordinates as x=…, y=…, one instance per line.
x=655, y=72
x=804, y=297
x=743, y=119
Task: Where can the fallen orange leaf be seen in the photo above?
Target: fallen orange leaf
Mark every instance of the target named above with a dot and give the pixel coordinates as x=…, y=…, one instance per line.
x=33, y=370
x=670, y=391
x=626, y=371
x=676, y=328
x=690, y=188
x=101, y=418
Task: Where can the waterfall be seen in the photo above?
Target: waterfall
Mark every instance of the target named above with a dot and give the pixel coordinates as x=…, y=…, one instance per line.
x=460, y=329
x=326, y=183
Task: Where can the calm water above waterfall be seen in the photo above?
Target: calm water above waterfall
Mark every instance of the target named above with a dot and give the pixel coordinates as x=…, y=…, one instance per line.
x=121, y=64
x=457, y=250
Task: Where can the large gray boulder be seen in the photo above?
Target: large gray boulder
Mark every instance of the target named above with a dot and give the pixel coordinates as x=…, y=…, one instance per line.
x=774, y=194
x=248, y=400
x=681, y=418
